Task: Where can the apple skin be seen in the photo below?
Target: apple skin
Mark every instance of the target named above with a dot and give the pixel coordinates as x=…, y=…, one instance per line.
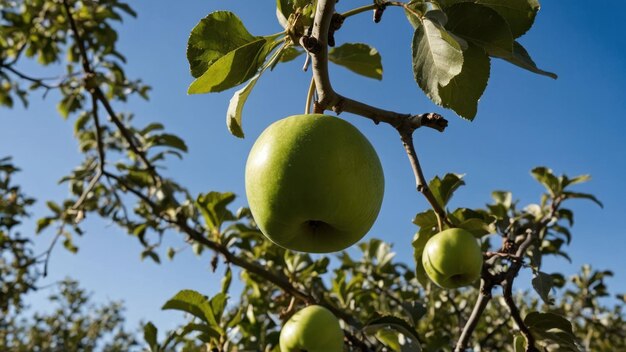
x=312, y=329
x=452, y=258
x=314, y=183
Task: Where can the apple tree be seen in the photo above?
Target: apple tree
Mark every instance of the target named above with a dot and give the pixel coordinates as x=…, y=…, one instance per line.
x=379, y=302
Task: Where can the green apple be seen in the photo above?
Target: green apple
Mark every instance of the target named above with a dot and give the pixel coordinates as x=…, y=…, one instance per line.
x=314, y=183
x=312, y=329
x=452, y=258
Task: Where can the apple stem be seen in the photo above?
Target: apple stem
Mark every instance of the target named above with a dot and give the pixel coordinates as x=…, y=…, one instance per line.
x=309, y=96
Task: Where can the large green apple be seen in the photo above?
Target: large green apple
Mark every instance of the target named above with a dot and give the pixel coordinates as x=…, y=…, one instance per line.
x=452, y=258
x=312, y=329
x=314, y=183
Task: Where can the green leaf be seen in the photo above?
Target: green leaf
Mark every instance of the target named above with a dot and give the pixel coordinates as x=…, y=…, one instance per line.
x=194, y=303
x=519, y=14
x=437, y=58
x=502, y=197
x=54, y=207
x=395, y=323
x=233, y=68
x=170, y=140
x=43, y=223
x=415, y=310
x=235, y=107
x=69, y=245
x=140, y=177
x=191, y=327
x=443, y=189
x=155, y=126
x=547, y=321
x=419, y=242
x=545, y=176
x=479, y=224
x=482, y=26
x=289, y=53
x=416, y=9
x=227, y=279
x=591, y=197
x=358, y=58
x=389, y=338
x=66, y=105
x=542, y=283
x=465, y=89
x=150, y=254
x=171, y=252
x=519, y=343
x=397, y=341
x=520, y=57
x=213, y=37
x=578, y=179
x=427, y=221
x=284, y=8
x=213, y=207
x=150, y=336
x=414, y=13
x=218, y=304
x=82, y=119
x=553, y=328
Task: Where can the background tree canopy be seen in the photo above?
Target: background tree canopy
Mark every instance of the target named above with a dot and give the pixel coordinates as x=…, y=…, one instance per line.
x=156, y=164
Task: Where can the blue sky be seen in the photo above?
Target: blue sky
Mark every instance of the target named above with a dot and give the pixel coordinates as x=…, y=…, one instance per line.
x=574, y=125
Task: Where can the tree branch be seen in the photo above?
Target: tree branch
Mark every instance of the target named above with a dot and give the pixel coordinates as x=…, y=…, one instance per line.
x=483, y=299
x=281, y=282
x=101, y=155
x=505, y=279
x=328, y=99
x=97, y=93
x=515, y=314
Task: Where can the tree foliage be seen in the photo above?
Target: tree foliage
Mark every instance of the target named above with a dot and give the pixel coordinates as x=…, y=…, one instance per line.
x=384, y=304
x=75, y=324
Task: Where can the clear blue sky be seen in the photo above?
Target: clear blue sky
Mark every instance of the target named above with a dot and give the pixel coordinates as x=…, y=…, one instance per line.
x=574, y=125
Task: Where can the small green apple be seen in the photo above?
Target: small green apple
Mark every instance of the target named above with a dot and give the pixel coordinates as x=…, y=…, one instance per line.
x=312, y=329
x=452, y=258
x=314, y=183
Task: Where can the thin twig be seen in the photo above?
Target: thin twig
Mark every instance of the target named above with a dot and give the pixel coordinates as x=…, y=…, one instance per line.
x=39, y=81
x=370, y=7
x=99, y=137
x=79, y=43
x=420, y=180
x=49, y=250
x=101, y=156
